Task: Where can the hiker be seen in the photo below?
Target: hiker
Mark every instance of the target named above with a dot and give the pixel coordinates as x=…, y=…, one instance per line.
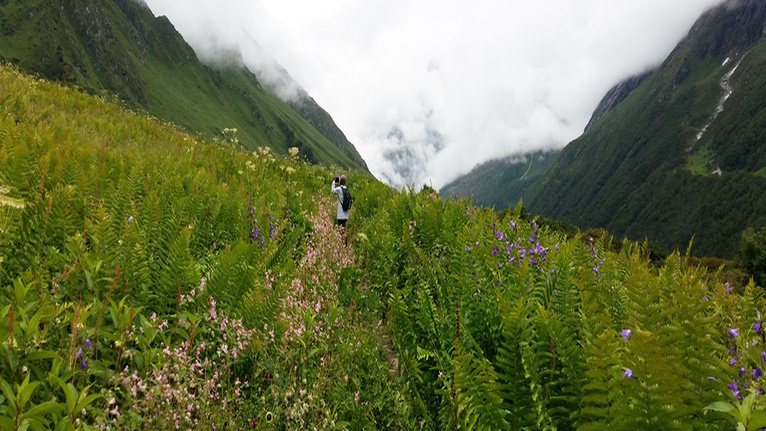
x=343, y=195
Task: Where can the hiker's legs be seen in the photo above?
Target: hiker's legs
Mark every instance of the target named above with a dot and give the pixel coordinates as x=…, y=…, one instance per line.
x=342, y=225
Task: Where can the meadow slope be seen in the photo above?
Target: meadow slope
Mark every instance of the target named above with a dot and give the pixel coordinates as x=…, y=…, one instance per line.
x=154, y=280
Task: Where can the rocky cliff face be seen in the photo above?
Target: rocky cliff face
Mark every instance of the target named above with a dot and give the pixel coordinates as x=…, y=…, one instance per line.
x=616, y=94
x=728, y=29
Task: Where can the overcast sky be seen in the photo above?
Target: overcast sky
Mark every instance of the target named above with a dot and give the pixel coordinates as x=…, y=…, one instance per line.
x=426, y=89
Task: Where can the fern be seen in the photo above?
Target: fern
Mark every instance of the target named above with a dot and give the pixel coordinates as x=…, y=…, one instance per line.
x=515, y=385
x=478, y=403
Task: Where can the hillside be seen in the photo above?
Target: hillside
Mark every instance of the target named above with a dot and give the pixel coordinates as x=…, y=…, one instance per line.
x=684, y=154
x=118, y=47
x=502, y=183
x=152, y=280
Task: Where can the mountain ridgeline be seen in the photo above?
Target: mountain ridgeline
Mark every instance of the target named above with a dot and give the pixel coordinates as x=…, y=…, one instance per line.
x=684, y=155
x=674, y=154
x=118, y=47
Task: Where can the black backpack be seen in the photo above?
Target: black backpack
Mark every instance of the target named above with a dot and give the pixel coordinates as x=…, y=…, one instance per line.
x=347, y=199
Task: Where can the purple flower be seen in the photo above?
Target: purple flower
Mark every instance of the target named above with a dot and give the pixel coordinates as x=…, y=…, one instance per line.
x=87, y=343
x=757, y=326
x=626, y=334
x=734, y=388
x=734, y=332
x=757, y=374
x=628, y=374
x=595, y=269
x=467, y=248
x=763, y=356
x=499, y=235
x=733, y=361
x=728, y=287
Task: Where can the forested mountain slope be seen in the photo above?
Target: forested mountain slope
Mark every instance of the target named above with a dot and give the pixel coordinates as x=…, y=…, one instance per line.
x=684, y=155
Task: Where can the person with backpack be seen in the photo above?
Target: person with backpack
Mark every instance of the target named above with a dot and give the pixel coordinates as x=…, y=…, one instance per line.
x=344, y=202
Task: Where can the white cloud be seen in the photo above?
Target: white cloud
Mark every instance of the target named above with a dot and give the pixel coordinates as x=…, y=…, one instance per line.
x=426, y=89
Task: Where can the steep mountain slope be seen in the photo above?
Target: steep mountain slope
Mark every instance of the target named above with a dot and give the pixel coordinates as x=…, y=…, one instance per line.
x=119, y=47
x=502, y=182
x=684, y=155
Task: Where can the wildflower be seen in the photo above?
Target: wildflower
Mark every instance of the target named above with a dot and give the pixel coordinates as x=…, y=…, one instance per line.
x=499, y=235
x=626, y=334
x=734, y=332
x=628, y=374
x=728, y=287
x=763, y=356
x=757, y=373
x=734, y=388
x=356, y=398
x=733, y=361
x=757, y=326
x=202, y=284
x=595, y=269
x=130, y=219
x=467, y=248
x=87, y=343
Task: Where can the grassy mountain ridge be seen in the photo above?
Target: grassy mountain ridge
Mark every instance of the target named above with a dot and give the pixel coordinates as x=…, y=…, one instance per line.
x=663, y=163
x=119, y=46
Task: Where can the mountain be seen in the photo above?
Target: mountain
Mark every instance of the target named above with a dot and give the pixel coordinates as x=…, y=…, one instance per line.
x=683, y=154
x=502, y=182
x=119, y=47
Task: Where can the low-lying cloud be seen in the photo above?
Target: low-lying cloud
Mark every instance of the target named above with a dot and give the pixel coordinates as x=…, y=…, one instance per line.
x=427, y=89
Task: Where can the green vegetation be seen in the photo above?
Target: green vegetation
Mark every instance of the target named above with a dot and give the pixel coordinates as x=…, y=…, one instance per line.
x=120, y=48
x=502, y=183
x=640, y=172
x=152, y=280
